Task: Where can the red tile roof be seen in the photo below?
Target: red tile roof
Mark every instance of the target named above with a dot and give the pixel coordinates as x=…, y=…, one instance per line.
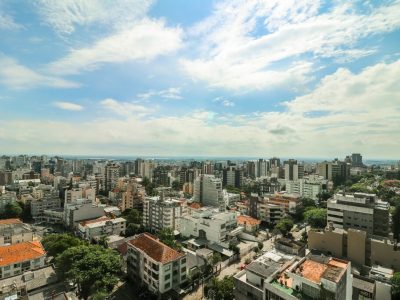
x=242, y=220
x=20, y=252
x=10, y=221
x=195, y=205
x=157, y=250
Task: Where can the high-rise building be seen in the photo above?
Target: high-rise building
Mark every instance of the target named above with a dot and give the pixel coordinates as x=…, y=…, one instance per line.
x=208, y=191
x=160, y=176
x=138, y=166
x=262, y=167
x=356, y=160
x=208, y=168
x=112, y=176
x=232, y=176
x=293, y=170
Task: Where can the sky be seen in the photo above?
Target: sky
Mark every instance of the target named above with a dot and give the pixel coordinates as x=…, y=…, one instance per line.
x=200, y=77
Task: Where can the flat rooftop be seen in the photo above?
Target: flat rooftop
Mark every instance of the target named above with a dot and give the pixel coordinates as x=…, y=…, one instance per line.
x=313, y=270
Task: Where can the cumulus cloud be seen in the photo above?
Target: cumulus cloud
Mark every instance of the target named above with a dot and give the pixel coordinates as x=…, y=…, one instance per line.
x=17, y=76
x=126, y=109
x=140, y=42
x=246, y=45
x=68, y=106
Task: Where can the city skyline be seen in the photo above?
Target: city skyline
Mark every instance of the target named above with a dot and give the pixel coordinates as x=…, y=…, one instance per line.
x=205, y=78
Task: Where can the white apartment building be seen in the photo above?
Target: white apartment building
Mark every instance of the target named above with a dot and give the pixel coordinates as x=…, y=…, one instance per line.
x=94, y=229
x=208, y=224
x=80, y=210
x=307, y=187
x=156, y=265
x=208, y=191
x=160, y=213
x=111, y=176
x=19, y=258
x=13, y=231
x=230, y=199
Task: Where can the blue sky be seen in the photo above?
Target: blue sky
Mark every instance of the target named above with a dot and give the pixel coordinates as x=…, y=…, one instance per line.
x=217, y=78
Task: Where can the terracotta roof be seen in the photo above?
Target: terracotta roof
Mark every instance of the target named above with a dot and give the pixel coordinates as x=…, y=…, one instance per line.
x=10, y=221
x=312, y=270
x=157, y=250
x=84, y=223
x=195, y=205
x=20, y=252
x=242, y=220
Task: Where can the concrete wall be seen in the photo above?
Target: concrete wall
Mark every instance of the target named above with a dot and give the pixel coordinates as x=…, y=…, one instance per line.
x=329, y=241
x=384, y=254
x=356, y=241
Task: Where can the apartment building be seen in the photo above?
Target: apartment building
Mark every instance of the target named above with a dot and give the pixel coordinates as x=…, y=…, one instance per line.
x=161, y=213
x=132, y=197
x=208, y=224
x=80, y=193
x=19, y=258
x=293, y=170
x=208, y=191
x=111, y=176
x=359, y=211
x=103, y=226
x=275, y=277
x=80, y=210
x=357, y=246
x=44, y=199
x=7, y=198
x=307, y=187
x=154, y=264
x=13, y=231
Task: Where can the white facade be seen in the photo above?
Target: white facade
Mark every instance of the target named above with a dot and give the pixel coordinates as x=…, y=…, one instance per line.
x=208, y=191
x=96, y=228
x=308, y=187
x=13, y=231
x=81, y=209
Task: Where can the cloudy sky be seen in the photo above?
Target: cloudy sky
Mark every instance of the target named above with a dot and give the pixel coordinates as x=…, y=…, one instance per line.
x=200, y=77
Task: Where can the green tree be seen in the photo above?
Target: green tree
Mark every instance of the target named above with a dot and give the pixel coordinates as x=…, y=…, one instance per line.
x=55, y=244
x=133, y=216
x=396, y=221
x=167, y=237
x=284, y=225
x=91, y=267
x=221, y=288
x=176, y=185
x=26, y=211
x=12, y=210
x=396, y=285
x=316, y=217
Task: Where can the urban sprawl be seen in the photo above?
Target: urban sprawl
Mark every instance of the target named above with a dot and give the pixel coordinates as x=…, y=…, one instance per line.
x=74, y=228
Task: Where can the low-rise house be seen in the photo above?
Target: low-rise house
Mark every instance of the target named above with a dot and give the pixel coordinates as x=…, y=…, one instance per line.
x=19, y=258
x=13, y=231
x=159, y=267
x=291, y=246
x=103, y=226
x=250, y=224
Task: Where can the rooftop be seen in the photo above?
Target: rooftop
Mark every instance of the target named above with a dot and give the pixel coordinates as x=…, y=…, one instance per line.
x=20, y=252
x=247, y=220
x=154, y=248
x=314, y=270
x=10, y=221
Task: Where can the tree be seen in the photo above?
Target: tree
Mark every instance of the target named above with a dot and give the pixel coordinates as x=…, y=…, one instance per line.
x=396, y=221
x=133, y=217
x=176, y=185
x=12, y=210
x=395, y=280
x=55, y=244
x=221, y=288
x=216, y=259
x=167, y=237
x=316, y=217
x=284, y=225
x=91, y=267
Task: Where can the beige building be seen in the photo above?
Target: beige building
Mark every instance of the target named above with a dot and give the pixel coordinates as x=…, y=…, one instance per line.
x=13, y=231
x=356, y=246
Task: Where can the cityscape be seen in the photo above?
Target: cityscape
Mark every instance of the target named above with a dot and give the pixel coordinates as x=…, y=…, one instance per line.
x=199, y=150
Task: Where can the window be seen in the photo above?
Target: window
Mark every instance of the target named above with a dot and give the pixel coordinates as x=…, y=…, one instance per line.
x=6, y=268
x=167, y=285
x=167, y=268
x=167, y=277
x=183, y=261
x=17, y=266
x=183, y=270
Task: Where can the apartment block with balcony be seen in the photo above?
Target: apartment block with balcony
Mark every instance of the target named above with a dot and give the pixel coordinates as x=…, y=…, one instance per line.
x=160, y=268
x=160, y=213
x=13, y=231
x=359, y=211
x=19, y=258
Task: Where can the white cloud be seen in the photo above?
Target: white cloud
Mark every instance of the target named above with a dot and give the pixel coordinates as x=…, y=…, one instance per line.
x=170, y=93
x=237, y=53
x=125, y=108
x=143, y=41
x=68, y=106
x=17, y=76
x=7, y=22
x=225, y=102
x=64, y=16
